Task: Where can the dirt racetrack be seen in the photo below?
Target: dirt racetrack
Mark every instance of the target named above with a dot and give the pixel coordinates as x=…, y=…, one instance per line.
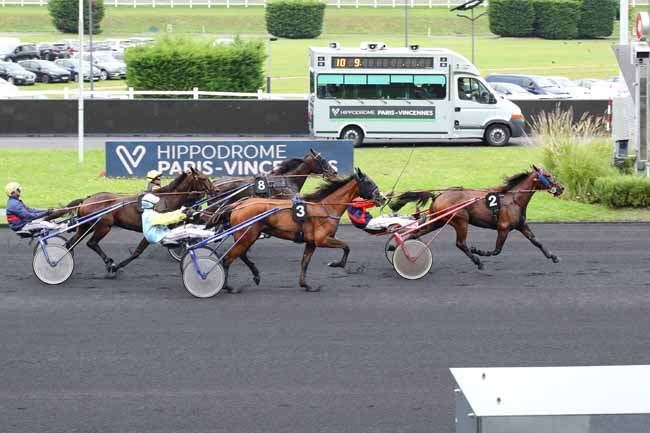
x=370, y=353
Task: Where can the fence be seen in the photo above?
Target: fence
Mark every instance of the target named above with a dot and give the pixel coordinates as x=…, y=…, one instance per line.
x=130, y=93
x=247, y=3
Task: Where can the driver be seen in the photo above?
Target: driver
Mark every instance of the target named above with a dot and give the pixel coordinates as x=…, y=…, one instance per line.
x=153, y=176
x=362, y=219
x=18, y=215
x=154, y=224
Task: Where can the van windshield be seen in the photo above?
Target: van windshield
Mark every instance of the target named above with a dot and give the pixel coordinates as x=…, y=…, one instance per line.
x=544, y=82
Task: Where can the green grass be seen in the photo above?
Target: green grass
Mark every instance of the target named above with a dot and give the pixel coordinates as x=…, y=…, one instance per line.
x=53, y=178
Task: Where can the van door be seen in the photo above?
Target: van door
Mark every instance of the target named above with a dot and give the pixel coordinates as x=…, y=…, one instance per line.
x=474, y=105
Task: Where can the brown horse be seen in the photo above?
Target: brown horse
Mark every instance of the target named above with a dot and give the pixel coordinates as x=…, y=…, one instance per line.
x=323, y=210
x=286, y=179
x=129, y=216
x=514, y=198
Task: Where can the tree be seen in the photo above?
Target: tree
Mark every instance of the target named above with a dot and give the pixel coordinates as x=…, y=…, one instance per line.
x=65, y=15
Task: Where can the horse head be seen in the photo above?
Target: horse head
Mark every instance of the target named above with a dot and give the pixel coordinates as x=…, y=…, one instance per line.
x=368, y=189
x=320, y=165
x=200, y=181
x=547, y=182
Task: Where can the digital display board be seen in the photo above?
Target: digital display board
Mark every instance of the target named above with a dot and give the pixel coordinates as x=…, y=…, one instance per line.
x=382, y=62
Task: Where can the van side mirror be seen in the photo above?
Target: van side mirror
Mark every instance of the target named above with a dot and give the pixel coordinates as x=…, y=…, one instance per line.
x=493, y=100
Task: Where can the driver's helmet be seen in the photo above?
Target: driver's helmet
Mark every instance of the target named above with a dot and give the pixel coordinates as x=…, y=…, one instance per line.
x=149, y=201
x=11, y=188
x=153, y=175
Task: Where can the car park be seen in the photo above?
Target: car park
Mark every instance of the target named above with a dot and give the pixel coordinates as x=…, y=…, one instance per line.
x=72, y=66
x=569, y=86
x=110, y=67
x=13, y=73
x=51, y=52
x=535, y=84
x=18, y=52
x=46, y=72
x=513, y=91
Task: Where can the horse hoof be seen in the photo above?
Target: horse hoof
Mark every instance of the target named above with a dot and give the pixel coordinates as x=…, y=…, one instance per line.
x=257, y=280
x=335, y=265
x=233, y=291
x=312, y=289
x=480, y=266
x=555, y=259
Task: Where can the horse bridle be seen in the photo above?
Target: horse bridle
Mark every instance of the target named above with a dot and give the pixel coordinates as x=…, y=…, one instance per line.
x=322, y=164
x=552, y=188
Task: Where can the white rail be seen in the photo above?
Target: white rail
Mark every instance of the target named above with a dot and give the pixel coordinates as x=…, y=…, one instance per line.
x=247, y=3
x=130, y=93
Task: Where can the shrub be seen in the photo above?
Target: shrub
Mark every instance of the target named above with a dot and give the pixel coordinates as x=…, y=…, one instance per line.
x=557, y=19
x=596, y=18
x=574, y=152
x=623, y=191
x=511, y=17
x=65, y=15
x=295, y=19
x=181, y=64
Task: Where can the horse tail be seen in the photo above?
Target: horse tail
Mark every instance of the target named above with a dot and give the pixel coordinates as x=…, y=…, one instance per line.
x=65, y=210
x=421, y=197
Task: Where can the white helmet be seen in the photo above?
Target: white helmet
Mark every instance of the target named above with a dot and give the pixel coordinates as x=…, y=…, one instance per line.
x=149, y=201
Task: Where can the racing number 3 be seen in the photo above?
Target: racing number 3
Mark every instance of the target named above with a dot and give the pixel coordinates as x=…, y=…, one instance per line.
x=300, y=212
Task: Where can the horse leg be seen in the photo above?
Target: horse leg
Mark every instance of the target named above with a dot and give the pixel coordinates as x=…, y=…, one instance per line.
x=144, y=243
x=251, y=266
x=102, y=230
x=331, y=242
x=82, y=232
x=501, y=239
x=242, y=244
x=304, y=263
x=526, y=231
x=461, y=238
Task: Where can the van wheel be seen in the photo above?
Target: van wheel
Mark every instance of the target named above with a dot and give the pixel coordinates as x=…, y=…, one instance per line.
x=353, y=133
x=497, y=135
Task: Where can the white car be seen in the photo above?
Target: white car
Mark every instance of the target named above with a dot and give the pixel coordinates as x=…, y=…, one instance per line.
x=570, y=87
x=513, y=91
x=9, y=91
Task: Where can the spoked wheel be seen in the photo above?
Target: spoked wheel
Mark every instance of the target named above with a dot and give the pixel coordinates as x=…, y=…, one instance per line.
x=58, y=269
x=417, y=263
x=211, y=278
x=177, y=251
x=389, y=249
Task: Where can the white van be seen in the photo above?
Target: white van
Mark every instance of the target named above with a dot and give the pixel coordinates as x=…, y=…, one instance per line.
x=404, y=93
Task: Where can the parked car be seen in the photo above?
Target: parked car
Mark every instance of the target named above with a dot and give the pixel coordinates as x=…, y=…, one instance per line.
x=535, y=84
x=586, y=82
x=16, y=53
x=569, y=86
x=51, y=52
x=72, y=66
x=9, y=91
x=110, y=67
x=46, y=72
x=513, y=91
x=16, y=74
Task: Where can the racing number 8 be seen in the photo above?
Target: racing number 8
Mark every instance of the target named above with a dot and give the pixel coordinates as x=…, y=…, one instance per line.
x=261, y=185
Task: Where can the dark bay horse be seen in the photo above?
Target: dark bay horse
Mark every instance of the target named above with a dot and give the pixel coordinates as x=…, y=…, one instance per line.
x=286, y=179
x=129, y=216
x=324, y=208
x=514, y=196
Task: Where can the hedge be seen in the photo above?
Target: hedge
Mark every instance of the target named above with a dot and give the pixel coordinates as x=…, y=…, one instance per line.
x=596, y=18
x=295, y=19
x=181, y=64
x=65, y=15
x=511, y=17
x=556, y=19
x=623, y=191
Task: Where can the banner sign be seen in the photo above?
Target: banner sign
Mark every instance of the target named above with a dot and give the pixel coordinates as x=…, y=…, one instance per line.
x=219, y=158
x=382, y=112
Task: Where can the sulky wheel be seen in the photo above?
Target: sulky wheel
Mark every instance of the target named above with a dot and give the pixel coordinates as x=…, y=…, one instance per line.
x=58, y=269
x=213, y=278
x=417, y=263
x=177, y=251
x=56, y=240
x=389, y=249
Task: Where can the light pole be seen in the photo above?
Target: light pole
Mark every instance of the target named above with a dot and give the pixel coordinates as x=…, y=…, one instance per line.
x=268, y=65
x=90, y=45
x=470, y=5
x=80, y=99
x=406, y=23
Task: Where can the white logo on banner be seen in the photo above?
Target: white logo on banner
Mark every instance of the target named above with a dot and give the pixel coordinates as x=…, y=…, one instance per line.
x=130, y=160
x=335, y=111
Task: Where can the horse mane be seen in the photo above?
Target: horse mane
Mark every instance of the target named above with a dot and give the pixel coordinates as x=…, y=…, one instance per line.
x=287, y=165
x=173, y=184
x=514, y=180
x=327, y=188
